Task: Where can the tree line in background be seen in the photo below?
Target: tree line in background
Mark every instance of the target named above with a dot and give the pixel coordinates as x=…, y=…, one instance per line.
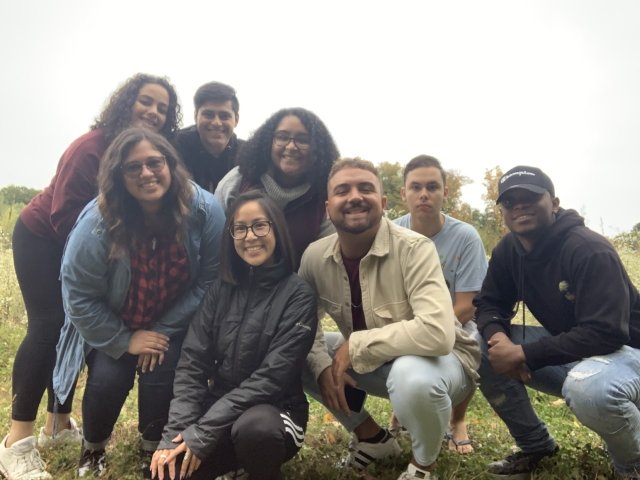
x=487, y=221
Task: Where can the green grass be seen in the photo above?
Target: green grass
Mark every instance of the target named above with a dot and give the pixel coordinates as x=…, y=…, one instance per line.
x=581, y=457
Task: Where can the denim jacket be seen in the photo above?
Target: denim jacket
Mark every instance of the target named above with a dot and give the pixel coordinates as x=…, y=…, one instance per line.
x=94, y=287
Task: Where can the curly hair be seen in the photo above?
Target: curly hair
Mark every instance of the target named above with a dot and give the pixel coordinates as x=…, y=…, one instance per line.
x=232, y=267
x=116, y=115
x=254, y=157
x=122, y=213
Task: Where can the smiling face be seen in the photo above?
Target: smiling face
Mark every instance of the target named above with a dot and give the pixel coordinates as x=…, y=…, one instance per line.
x=291, y=161
x=150, y=108
x=149, y=186
x=355, y=203
x=424, y=192
x=528, y=214
x=215, y=122
x=252, y=249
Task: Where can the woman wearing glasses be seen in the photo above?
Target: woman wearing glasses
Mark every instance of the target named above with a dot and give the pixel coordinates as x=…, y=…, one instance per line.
x=38, y=239
x=134, y=271
x=238, y=400
x=288, y=158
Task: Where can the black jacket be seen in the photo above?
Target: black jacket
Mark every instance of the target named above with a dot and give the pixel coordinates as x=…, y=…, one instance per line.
x=205, y=169
x=574, y=284
x=246, y=346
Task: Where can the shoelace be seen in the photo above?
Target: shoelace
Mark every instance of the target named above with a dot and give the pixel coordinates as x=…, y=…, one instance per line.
x=31, y=462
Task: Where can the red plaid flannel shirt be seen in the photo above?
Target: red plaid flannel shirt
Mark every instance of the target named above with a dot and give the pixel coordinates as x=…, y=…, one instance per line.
x=159, y=274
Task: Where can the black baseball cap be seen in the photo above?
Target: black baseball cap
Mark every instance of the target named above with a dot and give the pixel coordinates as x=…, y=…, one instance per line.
x=529, y=178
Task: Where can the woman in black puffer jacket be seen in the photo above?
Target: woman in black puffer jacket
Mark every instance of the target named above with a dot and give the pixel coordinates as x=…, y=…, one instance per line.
x=239, y=402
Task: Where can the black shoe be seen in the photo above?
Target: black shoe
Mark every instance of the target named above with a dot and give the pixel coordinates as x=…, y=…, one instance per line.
x=519, y=464
x=145, y=464
x=92, y=463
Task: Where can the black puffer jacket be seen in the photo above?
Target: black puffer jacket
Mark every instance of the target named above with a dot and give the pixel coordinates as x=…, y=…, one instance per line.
x=246, y=346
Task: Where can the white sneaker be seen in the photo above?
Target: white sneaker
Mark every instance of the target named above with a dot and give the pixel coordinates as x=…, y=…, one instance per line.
x=361, y=454
x=414, y=473
x=68, y=435
x=22, y=461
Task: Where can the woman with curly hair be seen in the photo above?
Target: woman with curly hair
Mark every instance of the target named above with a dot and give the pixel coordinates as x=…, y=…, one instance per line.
x=289, y=158
x=38, y=239
x=135, y=268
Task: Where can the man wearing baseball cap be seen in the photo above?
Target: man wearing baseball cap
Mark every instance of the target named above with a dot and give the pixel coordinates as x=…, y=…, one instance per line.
x=588, y=347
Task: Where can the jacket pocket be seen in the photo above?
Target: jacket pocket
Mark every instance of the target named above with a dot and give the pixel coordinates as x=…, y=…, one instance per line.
x=392, y=312
x=334, y=310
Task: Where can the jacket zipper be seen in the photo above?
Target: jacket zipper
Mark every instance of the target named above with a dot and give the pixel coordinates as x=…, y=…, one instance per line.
x=242, y=324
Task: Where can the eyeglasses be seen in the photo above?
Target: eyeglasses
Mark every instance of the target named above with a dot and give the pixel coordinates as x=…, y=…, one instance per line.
x=261, y=228
x=134, y=169
x=525, y=198
x=282, y=139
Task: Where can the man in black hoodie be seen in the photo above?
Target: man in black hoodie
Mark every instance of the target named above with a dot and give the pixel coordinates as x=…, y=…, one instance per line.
x=588, y=348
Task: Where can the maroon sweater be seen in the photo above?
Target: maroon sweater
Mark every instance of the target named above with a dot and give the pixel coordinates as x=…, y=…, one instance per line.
x=53, y=212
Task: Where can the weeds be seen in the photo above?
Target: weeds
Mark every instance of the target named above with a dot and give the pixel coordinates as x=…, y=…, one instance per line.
x=582, y=455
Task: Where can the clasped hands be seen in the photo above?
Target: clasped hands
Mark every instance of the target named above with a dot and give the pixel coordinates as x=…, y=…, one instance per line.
x=149, y=346
x=168, y=457
x=507, y=358
x=332, y=380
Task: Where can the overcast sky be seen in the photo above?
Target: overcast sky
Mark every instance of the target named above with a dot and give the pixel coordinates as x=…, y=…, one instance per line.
x=555, y=84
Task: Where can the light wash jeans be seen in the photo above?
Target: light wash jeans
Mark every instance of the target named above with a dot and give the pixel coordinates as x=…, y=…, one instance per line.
x=422, y=391
x=602, y=391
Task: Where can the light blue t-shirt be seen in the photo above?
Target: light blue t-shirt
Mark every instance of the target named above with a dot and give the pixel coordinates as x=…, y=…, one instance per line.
x=461, y=253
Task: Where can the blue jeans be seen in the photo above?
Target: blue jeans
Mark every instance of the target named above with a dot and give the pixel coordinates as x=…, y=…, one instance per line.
x=422, y=391
x=603, y=392
x=108, y=384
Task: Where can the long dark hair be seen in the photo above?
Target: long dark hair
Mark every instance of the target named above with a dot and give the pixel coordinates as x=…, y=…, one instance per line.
x=232, y=267
x=254, y=157
x=116, y=115
x=121, y=212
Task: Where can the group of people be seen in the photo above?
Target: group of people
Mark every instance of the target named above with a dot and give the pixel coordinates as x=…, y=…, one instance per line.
x=203, y=264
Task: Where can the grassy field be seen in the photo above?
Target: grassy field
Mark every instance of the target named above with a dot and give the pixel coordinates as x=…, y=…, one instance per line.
x=581, y=457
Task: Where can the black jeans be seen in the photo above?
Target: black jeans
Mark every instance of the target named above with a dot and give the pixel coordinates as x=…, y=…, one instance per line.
x=37, y=264
x=108, y=384
x=260, y=441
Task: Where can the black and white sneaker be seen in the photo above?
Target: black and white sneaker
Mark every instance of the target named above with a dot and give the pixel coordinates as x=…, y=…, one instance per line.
x=92, y=463
x=362, y=453
x=145, y=463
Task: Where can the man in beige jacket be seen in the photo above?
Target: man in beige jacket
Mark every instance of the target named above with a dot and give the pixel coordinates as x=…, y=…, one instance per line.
x=383, y=287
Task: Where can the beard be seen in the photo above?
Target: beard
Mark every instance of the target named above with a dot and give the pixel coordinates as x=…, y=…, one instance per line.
x=355, y=228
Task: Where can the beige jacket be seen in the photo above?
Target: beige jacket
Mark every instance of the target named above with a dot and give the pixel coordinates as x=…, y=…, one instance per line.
x=406, y=304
